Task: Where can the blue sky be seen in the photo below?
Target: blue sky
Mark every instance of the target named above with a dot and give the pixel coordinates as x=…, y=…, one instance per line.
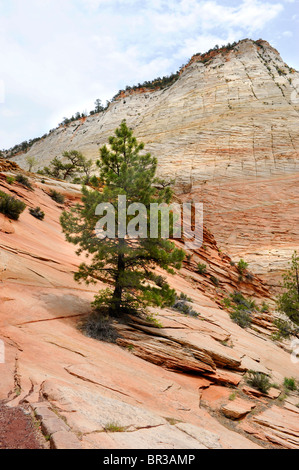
x=57, y=57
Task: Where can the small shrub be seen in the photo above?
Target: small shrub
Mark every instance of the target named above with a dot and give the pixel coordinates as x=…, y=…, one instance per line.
x=201, y=268
x=24, y=181
x=258, y=380
x=265, y=307
x=56, y=196
x=113, y=427
x=282, y=397
x=188, y=258
x=181, y=306
x=173, y=421
x=10, y=179
x=284, y=329
x=10, y=206
x=215, y=281
x=274, y=385
x=289, y=383
x=160, y=281
x=240, y=300
x=240, y=308
x=37, y=213
x=185, y=297
x=242, y=266
x=99, y=326
x=241, y=317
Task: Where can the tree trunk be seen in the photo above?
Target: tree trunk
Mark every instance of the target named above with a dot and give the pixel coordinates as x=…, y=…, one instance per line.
x=116, y=302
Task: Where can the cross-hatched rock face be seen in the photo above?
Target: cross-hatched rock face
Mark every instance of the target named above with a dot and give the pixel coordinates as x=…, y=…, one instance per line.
x=227, y=132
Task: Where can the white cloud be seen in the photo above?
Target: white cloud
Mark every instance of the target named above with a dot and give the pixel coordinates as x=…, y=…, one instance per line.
x=59, y=56
x=287, y=34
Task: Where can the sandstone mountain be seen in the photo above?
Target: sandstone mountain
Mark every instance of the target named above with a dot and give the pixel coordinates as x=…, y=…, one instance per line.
x=178, y=384
x=227, y=131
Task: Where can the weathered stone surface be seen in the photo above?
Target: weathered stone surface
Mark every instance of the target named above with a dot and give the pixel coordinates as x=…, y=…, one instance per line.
x=274, y=393
x=161, y=437
x=237, y=409
x=280, y=426
x=225, y=377
x=64, y=440
x=227, y=131
x=93, y=383
x=253, y=392
x=207, y=438
x=202, y=346
x=166, y=353
x=87, y=411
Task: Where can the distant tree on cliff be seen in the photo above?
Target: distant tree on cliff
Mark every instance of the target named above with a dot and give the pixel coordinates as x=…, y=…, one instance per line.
x=73, y=163
x=126, y=264
x=98, y=106
x=32, y=162
x=288, y=302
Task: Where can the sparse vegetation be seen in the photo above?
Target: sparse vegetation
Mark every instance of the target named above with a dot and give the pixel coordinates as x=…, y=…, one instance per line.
x=173, y=421
x=155, y=84
x=180, y=304
x=241, y=317
x=240, y=309
x=71, y=164
x=285, y=329
x=114, y=427
x=288, y=302
x=56, y=196
x=242, y=266
x=24, y=181
x=188, y=258
x=37, y=213
x=99, y=326
x=214, y=280
x=10, y=179
x=290, y=384
x=265, y=307
x=32, y=162
x=201, y=268
x=10, y=206
x=154, y=321
x=282, y=397
x=258, y=380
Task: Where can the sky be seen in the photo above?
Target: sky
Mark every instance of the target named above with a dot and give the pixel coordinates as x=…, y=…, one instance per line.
x=58, y=56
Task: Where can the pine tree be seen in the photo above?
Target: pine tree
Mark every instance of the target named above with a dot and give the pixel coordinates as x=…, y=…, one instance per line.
x=73, y=163
x=288, y=302
x=127, y=264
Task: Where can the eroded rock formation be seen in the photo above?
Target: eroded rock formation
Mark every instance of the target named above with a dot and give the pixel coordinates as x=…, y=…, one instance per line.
x=227, y=131
x=166, y=387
